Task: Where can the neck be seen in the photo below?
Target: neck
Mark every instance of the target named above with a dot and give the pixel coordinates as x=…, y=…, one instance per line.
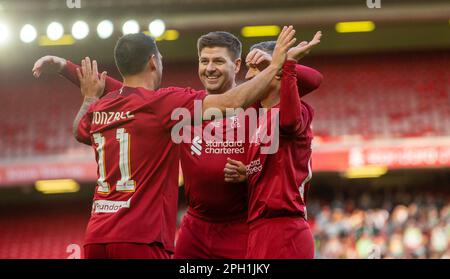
x=272, y=98
x=139, y=80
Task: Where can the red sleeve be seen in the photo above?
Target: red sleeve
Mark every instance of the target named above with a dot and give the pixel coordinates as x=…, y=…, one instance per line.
x=294, y=116
x=308, y=79
x=84, y=127
x=70, y=73
x=173, y=98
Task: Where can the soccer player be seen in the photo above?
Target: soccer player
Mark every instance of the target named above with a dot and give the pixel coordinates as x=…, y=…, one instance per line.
x=278, y=183
x=215, y=224
x=134, y=207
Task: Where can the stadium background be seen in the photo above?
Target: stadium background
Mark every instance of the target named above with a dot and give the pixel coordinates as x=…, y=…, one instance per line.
x=382, y=123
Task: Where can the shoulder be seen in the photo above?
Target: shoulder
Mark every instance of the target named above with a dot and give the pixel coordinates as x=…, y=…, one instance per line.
x=110, y=95
x=107, y=97
x=181, y=92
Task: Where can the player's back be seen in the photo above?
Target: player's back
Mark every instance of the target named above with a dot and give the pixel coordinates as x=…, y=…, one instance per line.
x=136, y=197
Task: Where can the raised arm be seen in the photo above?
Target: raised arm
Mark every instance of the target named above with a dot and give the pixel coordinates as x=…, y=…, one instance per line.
x=308, y=79
x=69, y=72
x=80, y=128
x=92, y=85
x=56, y=65
x=249, y=92
x=294, y=116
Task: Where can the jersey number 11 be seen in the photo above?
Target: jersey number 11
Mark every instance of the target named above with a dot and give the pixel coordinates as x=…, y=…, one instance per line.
x=125, y=184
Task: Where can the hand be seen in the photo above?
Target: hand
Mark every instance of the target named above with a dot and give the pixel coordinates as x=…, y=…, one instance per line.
x=258, y=58
x=48, y=64
x=92, y=86
x=302, y=49
x=284, y=42
x=235, y=171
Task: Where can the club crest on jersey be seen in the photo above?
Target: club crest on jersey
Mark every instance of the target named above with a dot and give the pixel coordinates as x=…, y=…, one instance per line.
x=196, y=146
x=235, y=122
x=236, y=129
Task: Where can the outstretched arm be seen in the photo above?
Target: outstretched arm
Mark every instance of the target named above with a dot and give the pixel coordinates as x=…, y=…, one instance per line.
x=56, y=65
x=69, y=72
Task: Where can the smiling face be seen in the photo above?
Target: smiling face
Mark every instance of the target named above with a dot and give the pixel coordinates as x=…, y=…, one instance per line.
x=217, y=69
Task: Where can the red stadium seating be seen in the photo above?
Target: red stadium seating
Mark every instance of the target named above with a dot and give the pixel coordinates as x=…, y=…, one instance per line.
x=42, y=231
x=369, y=96
x=383, y=96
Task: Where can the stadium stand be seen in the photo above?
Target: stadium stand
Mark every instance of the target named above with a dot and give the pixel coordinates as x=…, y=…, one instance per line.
x=401, y=223
x=362, y=95
x=42, y=231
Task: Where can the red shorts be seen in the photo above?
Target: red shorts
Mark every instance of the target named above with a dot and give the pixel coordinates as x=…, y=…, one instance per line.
x=199, y=239
x=125, y=251
x=280, y=238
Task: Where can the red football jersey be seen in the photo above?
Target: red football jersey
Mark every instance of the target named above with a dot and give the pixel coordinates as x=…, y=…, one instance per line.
x=136, y=196
x=279, y=182
x=207, y=194
x=209, y=197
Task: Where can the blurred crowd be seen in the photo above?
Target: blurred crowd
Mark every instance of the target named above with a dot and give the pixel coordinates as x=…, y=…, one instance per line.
x=405, y=224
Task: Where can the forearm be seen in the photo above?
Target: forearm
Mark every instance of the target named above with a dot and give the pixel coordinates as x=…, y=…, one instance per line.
x=308, y=79
x=244, y=95
x=88, y=101
x=290, y=104
x=70, y=73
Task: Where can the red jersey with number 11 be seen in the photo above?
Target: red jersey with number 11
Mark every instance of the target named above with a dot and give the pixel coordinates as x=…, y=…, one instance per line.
x=136, y=195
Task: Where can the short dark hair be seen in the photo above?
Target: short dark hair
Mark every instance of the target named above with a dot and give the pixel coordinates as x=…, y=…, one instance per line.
x=133, y=51
x=268, y=46
x=221, y=39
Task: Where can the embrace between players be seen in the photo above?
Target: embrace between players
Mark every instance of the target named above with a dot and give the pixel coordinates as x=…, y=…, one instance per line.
x=244, y=204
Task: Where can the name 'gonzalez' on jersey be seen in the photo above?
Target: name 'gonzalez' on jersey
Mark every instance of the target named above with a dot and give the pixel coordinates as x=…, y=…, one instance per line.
x=137, y=187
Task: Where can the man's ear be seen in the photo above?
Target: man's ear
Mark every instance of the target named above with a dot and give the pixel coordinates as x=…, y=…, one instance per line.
x=237, y=64
x=152, y=63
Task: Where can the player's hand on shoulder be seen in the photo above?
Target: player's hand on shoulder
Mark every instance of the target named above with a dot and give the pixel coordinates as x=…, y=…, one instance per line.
x=48, y=64
x=92, y=84
x=235, y=171
x=303, y=48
